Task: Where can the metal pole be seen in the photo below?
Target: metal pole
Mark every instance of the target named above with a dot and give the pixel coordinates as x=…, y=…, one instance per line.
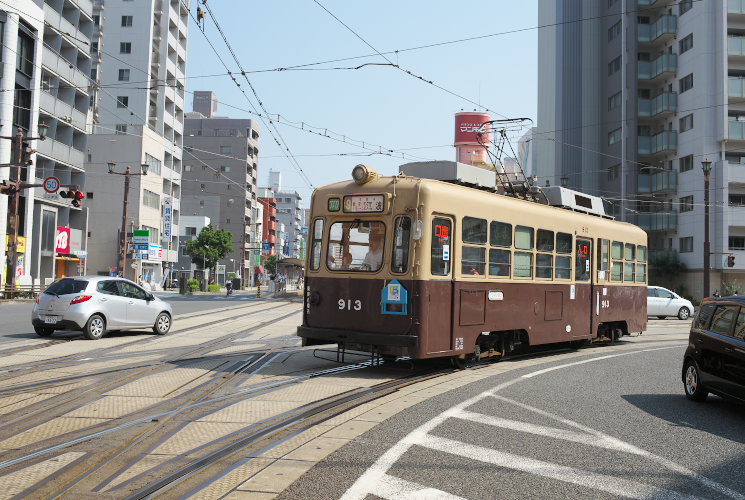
x=707, y=248
x=123, y=246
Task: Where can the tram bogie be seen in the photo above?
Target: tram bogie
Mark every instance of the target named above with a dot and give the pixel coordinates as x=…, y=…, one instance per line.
x=408, y=267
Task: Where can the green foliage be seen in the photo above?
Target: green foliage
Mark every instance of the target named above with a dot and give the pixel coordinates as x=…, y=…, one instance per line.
x=210, y=246
x=270, y=264
x=213, y=288
x=193, y=285
x=730, y=288
x=663, y=267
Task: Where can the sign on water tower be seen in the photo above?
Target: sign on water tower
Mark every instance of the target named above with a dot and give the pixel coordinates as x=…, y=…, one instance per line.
x=467, y=141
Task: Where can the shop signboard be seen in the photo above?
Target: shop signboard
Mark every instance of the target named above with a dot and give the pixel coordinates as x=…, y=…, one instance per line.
x=141, y=239
x=62, y=241
x=155, y=252
x=167, y=219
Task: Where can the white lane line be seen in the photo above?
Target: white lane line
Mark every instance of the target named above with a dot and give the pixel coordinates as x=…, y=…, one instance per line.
x=394, y=488
x=632, y=449
x=600, y=482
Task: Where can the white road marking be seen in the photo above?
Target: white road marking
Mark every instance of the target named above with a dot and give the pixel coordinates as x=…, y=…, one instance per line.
x=600, y=482
x=394, y=488
x=377, y=474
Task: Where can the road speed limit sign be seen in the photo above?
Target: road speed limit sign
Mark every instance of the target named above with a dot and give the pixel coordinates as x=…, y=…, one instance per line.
x=51, y=185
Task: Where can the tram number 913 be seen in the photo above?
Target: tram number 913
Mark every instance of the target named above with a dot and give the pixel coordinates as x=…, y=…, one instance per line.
x=350, y=305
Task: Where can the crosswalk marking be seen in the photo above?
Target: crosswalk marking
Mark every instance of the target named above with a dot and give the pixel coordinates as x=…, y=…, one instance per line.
x=394, y=488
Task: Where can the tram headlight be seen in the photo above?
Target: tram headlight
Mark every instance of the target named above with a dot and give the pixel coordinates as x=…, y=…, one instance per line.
x=363, y=174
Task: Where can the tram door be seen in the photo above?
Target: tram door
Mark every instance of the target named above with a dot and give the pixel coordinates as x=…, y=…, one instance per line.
x=582, y=308
x=440, y=287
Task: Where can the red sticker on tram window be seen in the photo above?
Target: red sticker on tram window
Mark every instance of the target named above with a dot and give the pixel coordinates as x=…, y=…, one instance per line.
x=441, y=231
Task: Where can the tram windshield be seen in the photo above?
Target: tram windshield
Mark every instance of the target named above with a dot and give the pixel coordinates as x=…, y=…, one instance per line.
x=356, y=246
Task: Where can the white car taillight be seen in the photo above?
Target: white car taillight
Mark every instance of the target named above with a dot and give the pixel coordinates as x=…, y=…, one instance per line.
x=81, y=298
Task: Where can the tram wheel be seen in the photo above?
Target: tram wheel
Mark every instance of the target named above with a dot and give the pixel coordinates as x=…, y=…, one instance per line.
x=458, y=363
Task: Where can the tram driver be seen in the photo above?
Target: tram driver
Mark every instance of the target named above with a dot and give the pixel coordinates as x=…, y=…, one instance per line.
x=374, y=257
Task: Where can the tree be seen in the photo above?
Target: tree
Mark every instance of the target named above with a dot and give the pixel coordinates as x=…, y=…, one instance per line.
x=211, y=245
x=664, y=268
x=270, y=264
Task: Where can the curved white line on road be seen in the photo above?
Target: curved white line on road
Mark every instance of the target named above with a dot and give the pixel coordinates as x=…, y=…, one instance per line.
x=376, y=477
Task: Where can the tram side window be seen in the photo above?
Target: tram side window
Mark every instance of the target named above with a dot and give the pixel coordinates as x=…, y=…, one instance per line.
x=630, y=251
x=473, y=261
x=474, y=230
x=524, y=237
x=499, y=262
x=401, y=239
x=441, y=246
x=603, y=257
x=641, y=266
x=563, y=262
x=500, y=234
x=524, y=240
x=628, y=271
x=616, y=254
x=315, y=251
x=545, y=240
x=544, y=262
x=629, y=268
x=582, y=260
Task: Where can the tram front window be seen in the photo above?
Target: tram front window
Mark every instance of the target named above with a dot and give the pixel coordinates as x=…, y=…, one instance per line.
x=356, y=246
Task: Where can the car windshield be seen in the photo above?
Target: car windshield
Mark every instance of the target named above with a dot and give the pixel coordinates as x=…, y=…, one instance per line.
x=66, y=287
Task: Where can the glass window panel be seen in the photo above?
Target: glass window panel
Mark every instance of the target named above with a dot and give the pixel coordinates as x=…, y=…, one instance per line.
x=401, y=241
x=523, y=265
x=474, y=230
x=563, y=243
x=603, y=255
x=704, y=316
x=641, y=273
x=473, y=261
x=544, y=265
x=616, y=273
x=628, y=271
x=616, y=250
x=563, y=267
x=723, y=319
x=545, y=240
x=641, y=253
x=315, y=254
x=499, y=262
x=500, y=234
x=523, y=238
x=740, y=325
x=630, y=251
x=441, y=246
x=356, y=246
x=582, y=260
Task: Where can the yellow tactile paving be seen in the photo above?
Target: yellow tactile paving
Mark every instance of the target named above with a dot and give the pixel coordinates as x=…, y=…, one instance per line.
x=350, y=429
x=277, y=476
x=114, y=407
x=316, y=449
x=20, y=480
x=143, y=465
x=13, y=403
x=304, y=393
x=225, y=483
x=50, y=429
x=250, y=411
x=194, y=435
x=295, y=442
x=169, y=383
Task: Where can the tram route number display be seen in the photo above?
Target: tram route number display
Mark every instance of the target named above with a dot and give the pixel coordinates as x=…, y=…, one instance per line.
x=372, y=203
x=350, y=305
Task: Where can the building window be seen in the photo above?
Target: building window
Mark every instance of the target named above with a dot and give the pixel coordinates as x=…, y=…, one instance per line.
x=223, y=168
x=686, y=163
x=226, y=150
x=187, y=168
x=191, y=231
x=97, y=20
x=121, y=128
x=614, y=136
x=125, y=47
x=89, y=195
x=123, y=75
x=686, y=123
x=154, y=163
x=686, y=244
x=94, y=76
x=25, y=51
x=737, y=200
x=686, y=203
x=737, y=242
x=614, y=65
x=153, y=237
x=614, y=101
x=126, y=21
x=686, y=44
x=150, y=199
x=614, y=31
x=613, y=171
x=122, y=101
x=685, y=6
x=94, y=47
x=686, y=83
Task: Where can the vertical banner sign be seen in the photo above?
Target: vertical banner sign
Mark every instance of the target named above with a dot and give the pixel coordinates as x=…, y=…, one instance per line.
x=62, y=241
x=167, y=219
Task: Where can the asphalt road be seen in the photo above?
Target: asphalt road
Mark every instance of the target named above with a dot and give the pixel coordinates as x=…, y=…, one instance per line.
x=610, y=424
x=16, y=316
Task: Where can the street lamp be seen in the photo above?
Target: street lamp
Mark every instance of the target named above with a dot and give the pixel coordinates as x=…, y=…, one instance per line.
x=13, y=188
x=706, y=165
x=123, y=236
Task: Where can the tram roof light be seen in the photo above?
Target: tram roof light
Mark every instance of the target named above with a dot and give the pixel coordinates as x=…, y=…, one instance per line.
x=363, y=174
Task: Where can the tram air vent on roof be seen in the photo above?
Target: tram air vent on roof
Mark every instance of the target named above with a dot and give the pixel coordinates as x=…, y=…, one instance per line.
x=562, y=197
x=451, y=171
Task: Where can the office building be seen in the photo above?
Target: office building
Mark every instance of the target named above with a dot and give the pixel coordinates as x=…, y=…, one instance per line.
x=289, y=219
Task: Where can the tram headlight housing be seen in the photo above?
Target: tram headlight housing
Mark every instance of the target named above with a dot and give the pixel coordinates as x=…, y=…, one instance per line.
x=362, y=174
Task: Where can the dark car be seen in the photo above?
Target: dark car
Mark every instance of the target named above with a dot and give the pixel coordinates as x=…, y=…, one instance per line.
x=715, y=358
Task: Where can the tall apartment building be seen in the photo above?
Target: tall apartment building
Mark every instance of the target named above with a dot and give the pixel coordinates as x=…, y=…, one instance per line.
x=269, y=228
x=289, y=216
x=631, y=100
x=21, y=32
x=220, y=180
x=140, y=119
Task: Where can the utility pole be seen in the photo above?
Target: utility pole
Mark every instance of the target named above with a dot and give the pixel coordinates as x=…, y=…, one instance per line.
x=706, y=166
x=13, y=189
x=123, y=236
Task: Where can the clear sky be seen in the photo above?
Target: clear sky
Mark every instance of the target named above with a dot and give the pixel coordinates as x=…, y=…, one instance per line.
x=378, y=104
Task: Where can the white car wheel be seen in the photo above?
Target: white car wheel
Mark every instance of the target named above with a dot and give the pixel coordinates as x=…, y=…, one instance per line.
x=162, y=324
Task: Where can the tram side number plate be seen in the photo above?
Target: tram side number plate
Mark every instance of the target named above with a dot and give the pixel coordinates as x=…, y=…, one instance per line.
x=372, y=203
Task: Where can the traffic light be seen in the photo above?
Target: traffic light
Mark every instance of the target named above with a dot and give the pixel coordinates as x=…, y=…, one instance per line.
x=73, y=195
x=730, y=261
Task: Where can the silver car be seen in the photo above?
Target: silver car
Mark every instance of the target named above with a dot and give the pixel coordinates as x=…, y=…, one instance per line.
x=662, y=303
x=95, y=304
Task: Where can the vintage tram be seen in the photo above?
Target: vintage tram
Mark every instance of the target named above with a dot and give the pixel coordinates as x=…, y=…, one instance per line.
x=406, y=266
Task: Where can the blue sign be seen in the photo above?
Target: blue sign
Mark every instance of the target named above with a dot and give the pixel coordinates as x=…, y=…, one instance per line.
x=142, y=246
x=286, y=249
x=394, y=298
x=266, y=246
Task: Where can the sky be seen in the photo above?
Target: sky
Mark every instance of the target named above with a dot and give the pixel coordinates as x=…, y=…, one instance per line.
x=331, y=119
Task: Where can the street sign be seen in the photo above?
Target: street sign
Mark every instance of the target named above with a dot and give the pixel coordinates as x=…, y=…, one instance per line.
x=141, y=239
x=51, y=185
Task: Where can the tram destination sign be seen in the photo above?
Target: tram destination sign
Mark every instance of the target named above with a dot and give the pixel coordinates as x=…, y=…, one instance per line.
x=368, y=203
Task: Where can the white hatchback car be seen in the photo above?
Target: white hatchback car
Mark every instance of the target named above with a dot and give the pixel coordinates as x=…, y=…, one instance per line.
x=95, y=304
x=662, y=303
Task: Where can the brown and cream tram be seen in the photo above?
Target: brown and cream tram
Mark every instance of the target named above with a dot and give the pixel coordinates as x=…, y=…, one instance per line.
x=410, y=267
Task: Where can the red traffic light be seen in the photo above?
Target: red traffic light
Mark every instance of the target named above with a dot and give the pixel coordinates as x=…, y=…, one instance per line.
x=78, y=195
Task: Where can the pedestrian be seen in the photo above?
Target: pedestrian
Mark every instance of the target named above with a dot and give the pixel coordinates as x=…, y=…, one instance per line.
x=716, y=293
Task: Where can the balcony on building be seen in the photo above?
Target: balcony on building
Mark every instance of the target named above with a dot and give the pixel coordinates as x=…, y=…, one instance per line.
x=661, y=106
x=658, y=183
x=736, y=130
x=662, y=67
x=736, y=10
x=655, y=3
x=736, y=89
x=662, y=221
x=661, y=31
x=662, y=143
x=736, y=47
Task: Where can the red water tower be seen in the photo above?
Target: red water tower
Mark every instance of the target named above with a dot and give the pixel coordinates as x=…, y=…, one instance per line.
x=467, y=147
